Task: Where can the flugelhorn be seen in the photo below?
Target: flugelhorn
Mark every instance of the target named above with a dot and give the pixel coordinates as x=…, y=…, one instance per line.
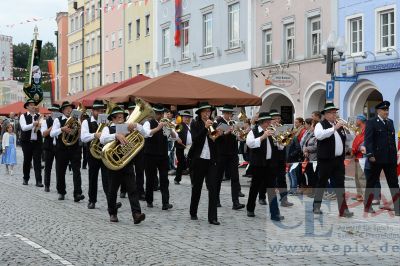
x=74, y=124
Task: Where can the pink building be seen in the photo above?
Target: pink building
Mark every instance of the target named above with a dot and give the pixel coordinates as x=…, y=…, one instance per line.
x=288, y=72
x=62, y=56
x=113, y=42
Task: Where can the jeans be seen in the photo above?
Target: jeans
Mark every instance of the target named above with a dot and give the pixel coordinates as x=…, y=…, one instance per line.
x=293, y=180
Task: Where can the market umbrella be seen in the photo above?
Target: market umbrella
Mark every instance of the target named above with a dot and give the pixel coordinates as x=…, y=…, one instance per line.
x=18, y=107
x=181, y=89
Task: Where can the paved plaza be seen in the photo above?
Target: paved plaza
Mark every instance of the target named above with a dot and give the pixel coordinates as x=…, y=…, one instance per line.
x=37, y=229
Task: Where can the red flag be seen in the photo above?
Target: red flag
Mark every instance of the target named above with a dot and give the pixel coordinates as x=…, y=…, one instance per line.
x=178, y=14
x=52, y=72
x=398, y=148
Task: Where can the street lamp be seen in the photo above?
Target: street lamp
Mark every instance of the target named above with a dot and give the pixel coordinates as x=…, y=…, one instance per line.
x=328, y=50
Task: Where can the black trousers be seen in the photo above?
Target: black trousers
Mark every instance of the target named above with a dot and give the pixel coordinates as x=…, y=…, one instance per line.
x=311, y=175
x=333, y=169
x=152, y=164
x=49, y=155
x=138, y=162
x=182, y=165
x=94, y=166
x=281, y=183
x=85, y=154
x=126, y=178
x=228, y=164
x=264, y=177
x=392, y=180
x=63, y=157
x=32, y=150
x=204, y=169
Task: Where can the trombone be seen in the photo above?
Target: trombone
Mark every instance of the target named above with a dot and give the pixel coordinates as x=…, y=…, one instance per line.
x=348, y=126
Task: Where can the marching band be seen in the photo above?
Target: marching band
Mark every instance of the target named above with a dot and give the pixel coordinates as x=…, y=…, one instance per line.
x=206, y=147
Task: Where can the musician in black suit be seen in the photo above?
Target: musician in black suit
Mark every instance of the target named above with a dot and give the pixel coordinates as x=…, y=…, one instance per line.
x=31, y=142
x=331, y=139
x=263, y=156
x=228, y=158
x=185, y=139
x=49, y=146
x=203, y=156
x=380, y=146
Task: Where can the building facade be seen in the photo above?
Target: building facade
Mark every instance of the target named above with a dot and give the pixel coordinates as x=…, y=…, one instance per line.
x=11, y=92
x=6, y=58
x=138, y=32
x=215, y=42
x=287, y=71
x=61, y=90
x=371, y=31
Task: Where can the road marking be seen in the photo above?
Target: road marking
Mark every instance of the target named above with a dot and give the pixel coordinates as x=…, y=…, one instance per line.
x=39, y=248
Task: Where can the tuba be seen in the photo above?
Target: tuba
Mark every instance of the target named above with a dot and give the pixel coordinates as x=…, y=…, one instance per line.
x=95, y=145
x=75, y=126
x=115, y=156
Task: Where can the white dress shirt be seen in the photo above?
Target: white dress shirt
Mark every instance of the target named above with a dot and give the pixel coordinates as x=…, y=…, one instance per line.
x=256, y=142
x=44, y=127
x=86, y=136
x=56, y=128
x=25, y=127
x=147, y=130
x=188, y=137
x=205, y=152
x=106, y=137
x=321, y=134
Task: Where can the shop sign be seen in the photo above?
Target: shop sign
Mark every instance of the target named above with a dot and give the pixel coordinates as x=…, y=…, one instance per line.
x=282, y=80
x=378, y=67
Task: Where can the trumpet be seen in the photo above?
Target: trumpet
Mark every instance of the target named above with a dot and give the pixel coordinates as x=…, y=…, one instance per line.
x=282, y=138
x=40, y=121
x=349, y=127
x=177, y=126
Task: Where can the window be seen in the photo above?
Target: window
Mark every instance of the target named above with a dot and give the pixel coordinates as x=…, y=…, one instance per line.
x=76, y=23
x=98, y=9
x=147, y=25
x=98, y=42
x=233, y=26
x=356, y=35
x=289, y=42
x=121, y=76
x=93, y=43
x=76, y=52
x=87, y=14
x=87, y=47
x=267, y=47
x=147, y=68
x=113, y=41
x=120, y=38
x=81, y=20
x=80, y=85
x=87, y=81
x=93, y=79
x=129, y=31
x=130, y=72
x=165, y=45
x=315, y=34
x=81, y=50
x=93, y=13
x=207, y=33
x=113, y=78
x=137, y=28
x=98, y=78
x=185, y=39
x=72, y=25
x=72, y=55
x=137, y=70
x=386, y=29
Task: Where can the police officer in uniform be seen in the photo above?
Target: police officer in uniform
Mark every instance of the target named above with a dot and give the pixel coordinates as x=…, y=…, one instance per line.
x=88, y=134
x=49, y=146
x=380, y=143
x=331, y=139
x=66, y=154
x=31, y=142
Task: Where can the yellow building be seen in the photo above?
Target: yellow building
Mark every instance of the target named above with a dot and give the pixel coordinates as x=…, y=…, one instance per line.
x=139, y=33
x=75, y=46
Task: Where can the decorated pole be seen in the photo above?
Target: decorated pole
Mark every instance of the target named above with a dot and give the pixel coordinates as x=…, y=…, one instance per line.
x=32, y=87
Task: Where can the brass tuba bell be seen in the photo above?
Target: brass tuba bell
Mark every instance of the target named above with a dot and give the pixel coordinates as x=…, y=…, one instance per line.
x=115, y=156
x=69, y=139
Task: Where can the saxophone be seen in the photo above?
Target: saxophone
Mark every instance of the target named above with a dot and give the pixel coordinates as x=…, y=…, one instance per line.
x=95, y=145
x=75, y=126
x=115, y=156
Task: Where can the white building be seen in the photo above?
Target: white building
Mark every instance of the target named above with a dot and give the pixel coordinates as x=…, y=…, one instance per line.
x=6, y=57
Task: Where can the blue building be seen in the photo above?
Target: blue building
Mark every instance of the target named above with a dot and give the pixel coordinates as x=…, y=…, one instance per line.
x=370, y=29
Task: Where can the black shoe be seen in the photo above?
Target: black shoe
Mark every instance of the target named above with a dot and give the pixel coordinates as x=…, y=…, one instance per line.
x=142, y=197
x=250, y=214
x=149, y=205
x=237, y=206
x=46, y=189
x=39, y=184
x=78, y=198
x=177, y=182
x=219, y=205
x=214, y=222
x=277, y=218
x=113, y=218
x=193, y=217
x=370, y=210
x=119, y=205
x=317, y=211
x=156, y=188
x=138, y=217
x=25, y=183
x=241, y=194
x=286, y=203
x=122, y=195
x=91, y=205
x=61, y=197
x=346, y=213
x=262, y=202
x=167, y=206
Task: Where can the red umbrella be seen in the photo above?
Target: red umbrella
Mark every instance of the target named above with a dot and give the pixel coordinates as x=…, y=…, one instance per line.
x=18, y=107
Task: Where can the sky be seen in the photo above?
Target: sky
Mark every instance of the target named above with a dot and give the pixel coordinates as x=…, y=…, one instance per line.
x=17, y=11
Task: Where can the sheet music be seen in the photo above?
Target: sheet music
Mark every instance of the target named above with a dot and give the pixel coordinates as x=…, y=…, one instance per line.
x=103, y=118
x=55, y=115
x=223, y=127
x=76, y=114
x=121, y=129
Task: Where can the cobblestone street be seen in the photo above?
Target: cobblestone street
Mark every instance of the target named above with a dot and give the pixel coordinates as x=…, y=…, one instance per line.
x=37, y=229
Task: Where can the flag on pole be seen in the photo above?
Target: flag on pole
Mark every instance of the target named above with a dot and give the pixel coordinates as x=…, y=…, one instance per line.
x=178, y=20
x=52, y=71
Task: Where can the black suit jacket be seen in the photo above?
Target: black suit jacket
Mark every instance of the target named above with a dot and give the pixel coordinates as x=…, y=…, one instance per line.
x=183, y=136
x=199, y=136
x=380, y=140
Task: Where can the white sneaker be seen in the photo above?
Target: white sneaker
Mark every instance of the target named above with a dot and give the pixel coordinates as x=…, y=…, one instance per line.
x=11, y=172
